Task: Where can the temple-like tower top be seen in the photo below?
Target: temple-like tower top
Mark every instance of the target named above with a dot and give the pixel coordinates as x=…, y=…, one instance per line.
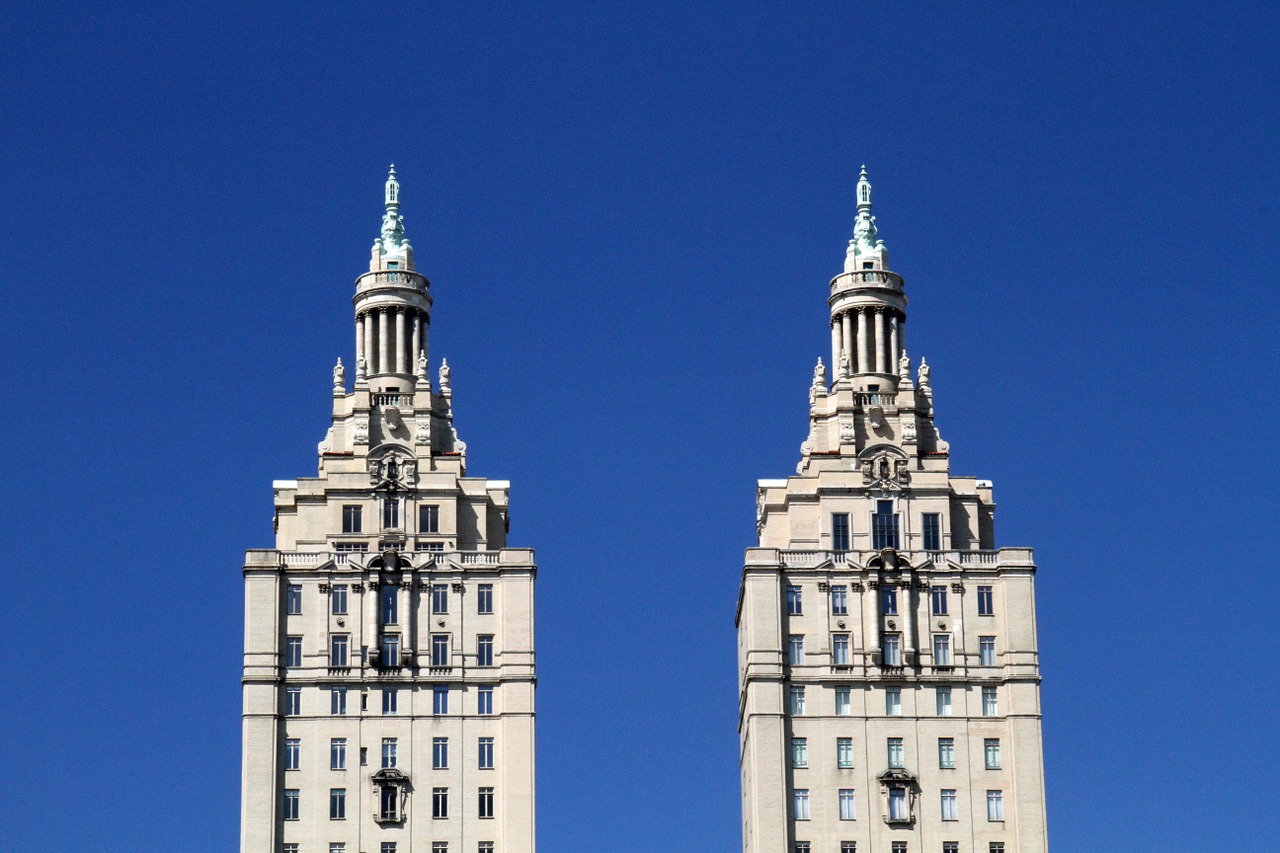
x=868, y=307
x=392, y=250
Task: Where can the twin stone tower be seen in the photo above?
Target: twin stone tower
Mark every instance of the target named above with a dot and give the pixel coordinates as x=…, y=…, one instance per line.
x=887, y=660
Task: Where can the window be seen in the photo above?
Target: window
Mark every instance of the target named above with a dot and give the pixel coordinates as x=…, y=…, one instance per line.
x=337, y=804
x=440, y=598
x=892, y=650
x=388, y=752
x=350, y=548
x=352, y=519
x=486, y=802
x=942, y=650
x=485, y=847
x=439, y=753
x=795, y=649
x=439, y=847
x=484, y=650
x=292, y=701
x=839, y=601
x=996, y=847
x=293, y=652
x=799, y=752
x=840, y=531
x=389, y=803
x=843, y=703
x=844, y=752
x=938, y=600
x=987, y=651
x=338, y=599
x=932, y=529
x=899, y=846
x=364, y=756
x=944, y=701
x=387, y=847
x=338, y=650
x=893, y=701
x=990, y=707
x=840, y=649
x=484, y=598
x=337, y=701
x=995, y=805
x=884, y=526
x=949, y=809
x=293, y=599
x=291, y=804
x=947, y=753
x=390, y=513
x=986, y=604
x=364, y=699
x=338, y=753
x=293, y=848
x=795, y=605
x=439, y=649
x=848, y=806
x=898, y=805
x=991, y=752
x=484, y=700
x=797, y=701
x=802, y=847
x=440, y=803
x=390, y=700
x=440, y=700
x=389, y=596
x=486, y=753
x=800, y=804
x=390, y=651
x=292, y=747
x=429, y=518
x=428, y=546
x=895, y=752
x=889, y=599
x=951, y=847
x=848, y=847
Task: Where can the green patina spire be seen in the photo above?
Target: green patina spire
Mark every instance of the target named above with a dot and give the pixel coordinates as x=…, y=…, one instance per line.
x=392, y=239
x=865, y=237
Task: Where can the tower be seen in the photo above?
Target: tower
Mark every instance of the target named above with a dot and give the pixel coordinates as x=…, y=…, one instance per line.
x=389, y=660
x=888, y=669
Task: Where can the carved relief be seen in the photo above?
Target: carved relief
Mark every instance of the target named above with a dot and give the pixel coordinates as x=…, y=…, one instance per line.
x=362, y=430
x=393, y=472
x=847, y=434
x=886, y=470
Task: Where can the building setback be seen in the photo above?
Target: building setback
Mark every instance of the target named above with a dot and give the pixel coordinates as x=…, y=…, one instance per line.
x=888, y=671
x=389, y=647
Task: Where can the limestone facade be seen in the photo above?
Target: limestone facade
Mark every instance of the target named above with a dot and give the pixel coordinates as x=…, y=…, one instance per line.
x=389, y=635
x=888, y=668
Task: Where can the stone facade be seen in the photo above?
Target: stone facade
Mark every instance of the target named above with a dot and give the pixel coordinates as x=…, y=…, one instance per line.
x=389, y=647
x=888, y=669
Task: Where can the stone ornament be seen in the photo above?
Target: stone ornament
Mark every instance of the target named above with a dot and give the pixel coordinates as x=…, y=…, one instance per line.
x=847, y=434
x=361, y=368
x=362, y=431
x=423, y=433
x=445, y=387
x=422, y=365
x=922, y=375
x=339, y=378
x=393, y=472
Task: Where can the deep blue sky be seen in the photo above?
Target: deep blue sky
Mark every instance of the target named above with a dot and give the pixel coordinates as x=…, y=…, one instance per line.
x=629, y=216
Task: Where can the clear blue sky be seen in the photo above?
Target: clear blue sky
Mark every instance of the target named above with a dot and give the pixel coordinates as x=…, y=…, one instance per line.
x=629, y=215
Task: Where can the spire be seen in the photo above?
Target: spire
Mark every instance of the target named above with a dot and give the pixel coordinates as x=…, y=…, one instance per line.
x=392, y=242
x=866, y=245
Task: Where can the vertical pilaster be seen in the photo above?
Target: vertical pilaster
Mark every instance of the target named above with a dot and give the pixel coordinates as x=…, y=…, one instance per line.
x=360, y=338
x=846, y=326
x=837, y=347
x=893, y=344
x=864, y=348
x=384, y=342
x=417, y=340
x=367, y=352
x=402, y=339
x=879, y=344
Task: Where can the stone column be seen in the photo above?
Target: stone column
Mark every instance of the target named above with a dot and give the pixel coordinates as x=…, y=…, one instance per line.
x=384, y=341
x=893, y=344
x=864, y=343
x=359, y=338
x=402, y=341
x=837, y=346
x=880, y=340
x=367, y=317
x=846, y=326
x=417, y=342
